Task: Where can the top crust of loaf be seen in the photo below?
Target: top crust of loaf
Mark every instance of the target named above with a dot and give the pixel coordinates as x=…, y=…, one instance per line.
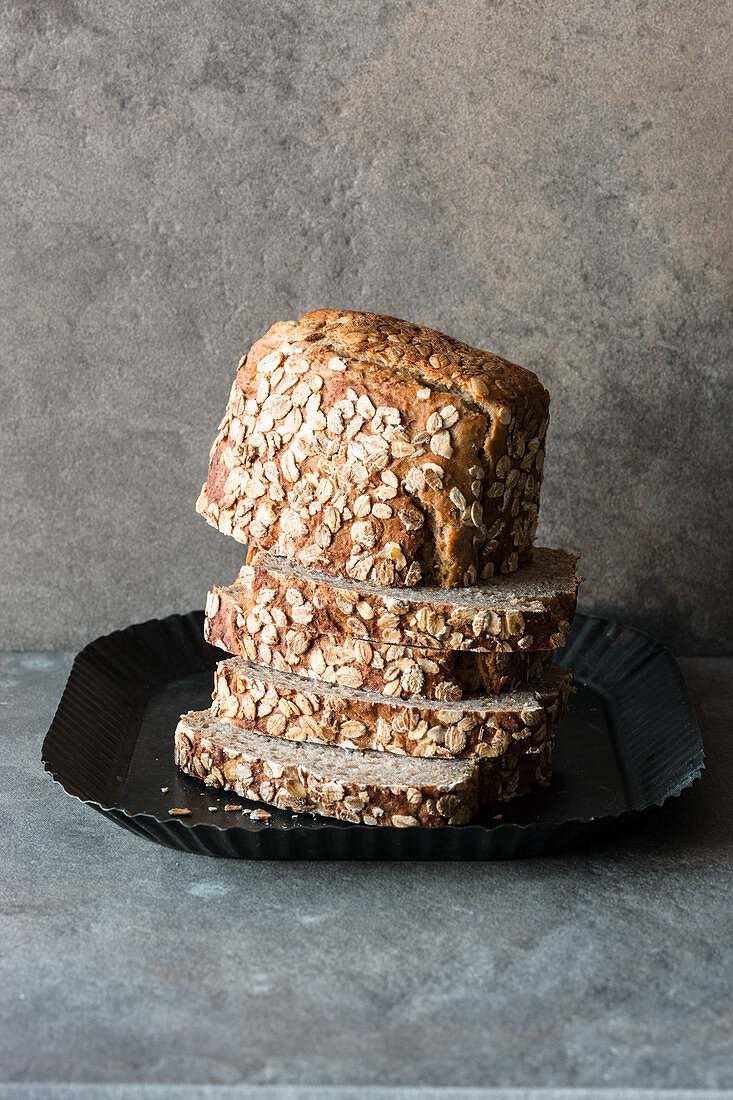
x=424, y=355
x=368, y=447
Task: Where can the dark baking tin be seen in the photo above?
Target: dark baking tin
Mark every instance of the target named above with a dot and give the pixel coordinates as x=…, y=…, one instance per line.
x=629, y=741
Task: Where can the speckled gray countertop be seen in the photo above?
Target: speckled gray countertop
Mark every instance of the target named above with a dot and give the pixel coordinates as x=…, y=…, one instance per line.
x=124, y=963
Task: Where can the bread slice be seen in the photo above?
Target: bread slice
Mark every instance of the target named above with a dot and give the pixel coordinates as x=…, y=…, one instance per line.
x=283, y=705
x=373, y=788
x=371, y=448
x=531, y=610
x=394, y=670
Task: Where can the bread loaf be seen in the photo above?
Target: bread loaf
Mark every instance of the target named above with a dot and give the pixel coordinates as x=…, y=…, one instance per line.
x=367, y=447
x=368, y=787
x=280, y=704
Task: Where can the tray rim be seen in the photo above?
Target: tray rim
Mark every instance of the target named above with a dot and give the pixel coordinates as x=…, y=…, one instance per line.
x=146, y=820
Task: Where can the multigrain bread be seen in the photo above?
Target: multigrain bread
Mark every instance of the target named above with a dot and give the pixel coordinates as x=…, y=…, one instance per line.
x=280, y=704
x=394, y=670
x=530, y=611
x=372, y=788
x=371, y=448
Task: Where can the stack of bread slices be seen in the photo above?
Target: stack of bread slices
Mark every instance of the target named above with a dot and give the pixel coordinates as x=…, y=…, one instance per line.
x=392, y=631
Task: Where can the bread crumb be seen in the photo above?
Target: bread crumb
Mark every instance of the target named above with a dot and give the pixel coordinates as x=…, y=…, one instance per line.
x=164, y=790
x=230, y=806
x=178, y=812
x=260, y=815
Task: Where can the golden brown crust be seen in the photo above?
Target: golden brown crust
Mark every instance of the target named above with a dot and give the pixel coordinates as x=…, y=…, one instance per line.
x=367, y=447
x=390, y=344
x=394, y=670
x=299, y=709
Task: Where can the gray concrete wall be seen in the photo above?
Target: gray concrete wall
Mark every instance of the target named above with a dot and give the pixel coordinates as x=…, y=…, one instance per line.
x=545, y=180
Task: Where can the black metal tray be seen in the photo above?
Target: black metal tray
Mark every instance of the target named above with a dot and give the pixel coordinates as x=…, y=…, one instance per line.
x=629, y=741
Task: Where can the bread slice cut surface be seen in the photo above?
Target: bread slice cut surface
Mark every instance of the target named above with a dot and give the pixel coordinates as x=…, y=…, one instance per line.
x=293, y=707
x=394, y=670
x=371, y=788
x=530, y=610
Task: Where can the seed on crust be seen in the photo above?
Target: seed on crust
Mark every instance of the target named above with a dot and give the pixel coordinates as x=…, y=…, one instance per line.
x=414, y=483
x=394, y=553
x=440, y=444
x=289, y=467
x=433, y=476
x=349, y=676
x=502, y=467
x=276, y=724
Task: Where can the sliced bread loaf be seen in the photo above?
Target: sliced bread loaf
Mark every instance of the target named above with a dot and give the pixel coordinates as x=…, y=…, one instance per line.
x=531, y=610
x=369, y=787
x=395, y=670
x=375, y=449
x=283, y=705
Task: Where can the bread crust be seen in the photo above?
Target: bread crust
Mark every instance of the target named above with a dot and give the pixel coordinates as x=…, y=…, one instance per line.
x=368, y=447
x=208, y=750
x=301, y=709
x=394, y=670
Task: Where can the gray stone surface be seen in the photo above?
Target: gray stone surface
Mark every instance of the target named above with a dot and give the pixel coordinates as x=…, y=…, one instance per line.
x=296, y=1092
x=547, y=181
x=124, y=962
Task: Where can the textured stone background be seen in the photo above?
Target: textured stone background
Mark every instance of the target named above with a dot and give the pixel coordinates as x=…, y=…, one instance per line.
x=545, y=180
